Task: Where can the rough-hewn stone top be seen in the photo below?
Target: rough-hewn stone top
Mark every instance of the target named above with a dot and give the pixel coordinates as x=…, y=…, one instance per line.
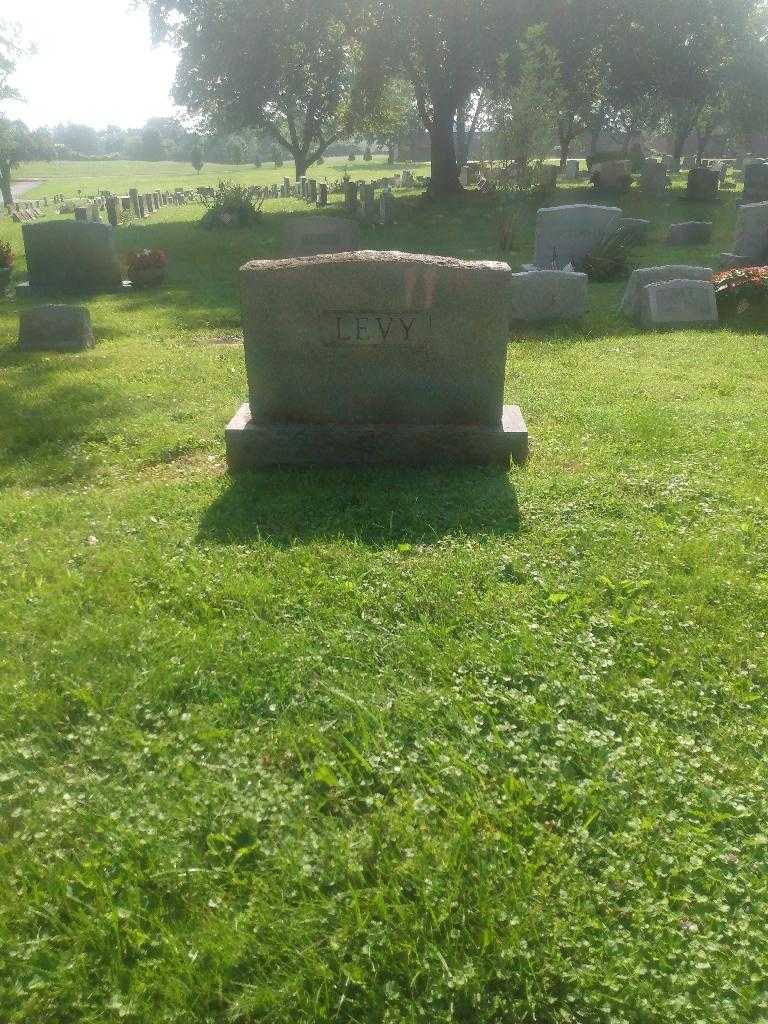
x=377, y=256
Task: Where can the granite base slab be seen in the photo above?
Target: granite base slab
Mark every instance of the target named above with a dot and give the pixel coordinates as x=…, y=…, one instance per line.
x=25, y=289
x=267, y=445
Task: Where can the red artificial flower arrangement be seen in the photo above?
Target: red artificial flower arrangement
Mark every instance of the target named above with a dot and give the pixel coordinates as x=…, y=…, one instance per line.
x=146, y=268
x=741, y=291
x=146, y=259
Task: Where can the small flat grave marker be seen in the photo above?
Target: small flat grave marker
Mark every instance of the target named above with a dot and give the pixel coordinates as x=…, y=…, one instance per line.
x=309, y=236
x=56, y=328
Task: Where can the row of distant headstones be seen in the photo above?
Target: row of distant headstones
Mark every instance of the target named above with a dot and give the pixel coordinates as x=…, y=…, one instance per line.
x=143, y=204
x=703, y=182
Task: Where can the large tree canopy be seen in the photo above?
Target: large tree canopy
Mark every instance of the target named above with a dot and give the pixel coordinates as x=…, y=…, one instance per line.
x=308, y=73
x=448, y=50
x=10, y=50
x=285, y=66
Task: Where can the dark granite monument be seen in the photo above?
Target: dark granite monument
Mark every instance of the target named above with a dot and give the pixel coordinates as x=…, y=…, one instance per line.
x=72, y=257
x=369, y=358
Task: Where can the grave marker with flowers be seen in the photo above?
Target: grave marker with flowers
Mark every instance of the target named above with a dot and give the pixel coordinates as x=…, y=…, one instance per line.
x=742, y=292
x=146, y=268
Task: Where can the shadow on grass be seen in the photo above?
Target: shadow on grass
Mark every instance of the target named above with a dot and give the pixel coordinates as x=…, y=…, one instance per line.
x=47, y=420
x=375, y=507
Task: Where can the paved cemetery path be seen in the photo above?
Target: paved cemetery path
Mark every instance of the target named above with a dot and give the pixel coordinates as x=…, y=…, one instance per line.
x=18, y=188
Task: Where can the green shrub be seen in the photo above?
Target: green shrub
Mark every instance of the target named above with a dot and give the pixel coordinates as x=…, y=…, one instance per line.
x=232, y=206
x=608, y=260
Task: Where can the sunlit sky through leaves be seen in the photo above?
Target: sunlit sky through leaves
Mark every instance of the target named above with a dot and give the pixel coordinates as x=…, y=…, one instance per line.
x=95, y=64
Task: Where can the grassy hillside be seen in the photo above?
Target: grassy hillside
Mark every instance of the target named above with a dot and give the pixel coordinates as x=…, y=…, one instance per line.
x=383, y=746
x=120, y=175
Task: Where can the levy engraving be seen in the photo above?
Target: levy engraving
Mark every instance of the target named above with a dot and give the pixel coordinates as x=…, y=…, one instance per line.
x=370, y=327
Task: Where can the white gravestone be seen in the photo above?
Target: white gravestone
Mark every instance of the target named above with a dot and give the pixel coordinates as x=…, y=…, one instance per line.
x=547, y=295
x=632, y=303
x=672, y=303
x=751, y=238
x=566, y=234
x=692, y=232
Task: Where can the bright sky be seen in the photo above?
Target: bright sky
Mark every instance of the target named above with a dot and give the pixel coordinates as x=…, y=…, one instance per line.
x=95, y=64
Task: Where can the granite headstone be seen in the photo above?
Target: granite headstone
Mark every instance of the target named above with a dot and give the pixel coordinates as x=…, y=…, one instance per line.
x=71, y=256
x=375, y=357
x=677, y=303
x=308, y=236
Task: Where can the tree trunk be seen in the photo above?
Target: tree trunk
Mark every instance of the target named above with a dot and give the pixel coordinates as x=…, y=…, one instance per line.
x=566, y=138
x=594, y=139
x=702, y=141
x=679, y=146
x=5, y=184
x=461, y=144
x=445, y=170
x=300, y=159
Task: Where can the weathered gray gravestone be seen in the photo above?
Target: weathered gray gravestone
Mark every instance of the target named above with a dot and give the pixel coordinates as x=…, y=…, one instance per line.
x=113, y=215
x=751, y=238
x=612, y=174
x=70, y=256
x=631, y=305
x=375, y=357
x=672, y=303
x=55, y=329
x=386, y=208
x=322, y=199
x=635, y=229
x=547, y=295
x=566, y=234
x=546, y=176
x=572, y=170
x=350, y=196
x=690, y=233
x=81, y=213
x=654, y=177
x=756, y=182
x=309, y=236
x=703, y=183
x=368, y=211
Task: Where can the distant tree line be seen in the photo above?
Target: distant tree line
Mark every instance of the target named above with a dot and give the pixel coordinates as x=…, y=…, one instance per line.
x=309, y=74
x=161, y=138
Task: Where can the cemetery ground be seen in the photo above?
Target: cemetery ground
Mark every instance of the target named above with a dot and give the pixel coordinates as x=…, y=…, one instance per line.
x=384, y=745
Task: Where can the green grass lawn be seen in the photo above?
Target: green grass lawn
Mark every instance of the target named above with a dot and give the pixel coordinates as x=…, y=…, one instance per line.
x=69, y=177
x=383, y=746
